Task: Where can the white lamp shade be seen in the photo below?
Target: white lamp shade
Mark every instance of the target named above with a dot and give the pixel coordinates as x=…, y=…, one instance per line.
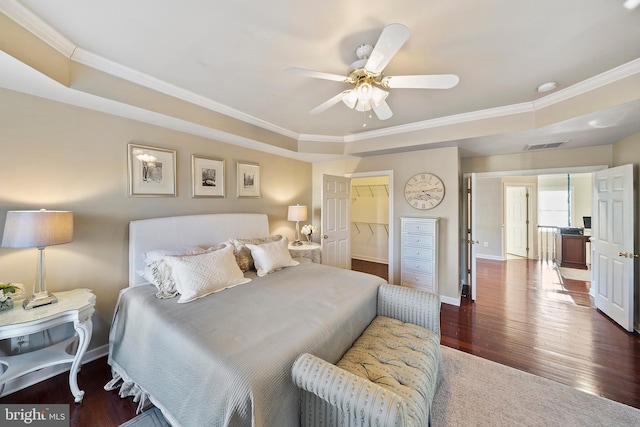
x=297, y=213
x=37, y=229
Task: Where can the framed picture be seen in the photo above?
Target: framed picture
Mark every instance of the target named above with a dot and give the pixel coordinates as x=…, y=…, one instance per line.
x=248, y=179
x=152, y=171
x=207, y=177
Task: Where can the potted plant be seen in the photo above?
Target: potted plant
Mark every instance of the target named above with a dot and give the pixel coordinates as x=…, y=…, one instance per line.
x=8, y=291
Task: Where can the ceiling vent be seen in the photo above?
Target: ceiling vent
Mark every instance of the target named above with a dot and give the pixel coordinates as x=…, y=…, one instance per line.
x=545, y=146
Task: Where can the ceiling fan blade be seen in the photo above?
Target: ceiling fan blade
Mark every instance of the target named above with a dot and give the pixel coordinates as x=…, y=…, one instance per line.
x=391, y=40
x=383, y=111
x=433, y=81
x=315, y=74
x=330, y=102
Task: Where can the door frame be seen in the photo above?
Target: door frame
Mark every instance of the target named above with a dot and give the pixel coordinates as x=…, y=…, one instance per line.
x=389, y=175
x=532, y=207
x=468, y=261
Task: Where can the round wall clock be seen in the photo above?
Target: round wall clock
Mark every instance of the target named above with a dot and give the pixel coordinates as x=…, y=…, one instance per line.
x=424, y=191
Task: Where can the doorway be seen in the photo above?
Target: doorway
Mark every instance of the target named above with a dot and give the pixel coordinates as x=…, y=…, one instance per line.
x=371, y=221
x=487, y=229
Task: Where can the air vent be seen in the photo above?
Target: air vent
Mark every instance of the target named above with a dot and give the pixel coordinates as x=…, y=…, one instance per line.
x=544, y=146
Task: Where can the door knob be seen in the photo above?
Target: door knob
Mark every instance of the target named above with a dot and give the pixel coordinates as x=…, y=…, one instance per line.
x=325, y=237
x=627, y=255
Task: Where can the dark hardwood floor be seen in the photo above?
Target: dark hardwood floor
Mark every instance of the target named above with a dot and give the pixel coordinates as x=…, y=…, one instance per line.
x=523, y=317
x=381, y=270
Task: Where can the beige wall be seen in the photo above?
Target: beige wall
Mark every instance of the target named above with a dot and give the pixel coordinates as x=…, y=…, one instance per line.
x=550, y=159
x=627, y=151
x=56, y=156
x=443, y=162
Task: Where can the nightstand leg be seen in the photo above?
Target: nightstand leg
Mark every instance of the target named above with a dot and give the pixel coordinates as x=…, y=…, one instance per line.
x=83, y=329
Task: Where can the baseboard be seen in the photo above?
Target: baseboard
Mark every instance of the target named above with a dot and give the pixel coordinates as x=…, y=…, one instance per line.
x=450, y=301
x=32, y=378
x=491, y=257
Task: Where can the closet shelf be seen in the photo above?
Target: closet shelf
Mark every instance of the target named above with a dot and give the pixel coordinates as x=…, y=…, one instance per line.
x=371, y=226
x=370, y=188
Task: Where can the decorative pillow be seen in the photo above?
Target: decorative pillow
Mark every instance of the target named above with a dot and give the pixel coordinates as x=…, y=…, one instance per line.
x=243, y=253
x=270, y=257
x=199, y=275
x=156, y=271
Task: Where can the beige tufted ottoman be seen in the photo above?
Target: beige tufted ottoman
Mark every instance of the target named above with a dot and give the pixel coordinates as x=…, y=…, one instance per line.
x=390, y=374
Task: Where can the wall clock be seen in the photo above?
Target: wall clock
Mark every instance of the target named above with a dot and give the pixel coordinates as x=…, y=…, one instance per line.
x=424, y=191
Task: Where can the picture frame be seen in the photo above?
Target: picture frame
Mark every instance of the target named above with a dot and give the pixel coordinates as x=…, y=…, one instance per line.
x=248, y=179
x=207, y=177
x=152, y=171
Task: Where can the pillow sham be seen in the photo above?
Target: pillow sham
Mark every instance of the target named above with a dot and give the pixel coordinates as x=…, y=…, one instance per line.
x=157, y=273
x=199, y=275
x=272, y=256
x=243, y=253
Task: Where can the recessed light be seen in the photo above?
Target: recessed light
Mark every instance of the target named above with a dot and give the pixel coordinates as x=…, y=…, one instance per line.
x=631, y=4
x=546, y=87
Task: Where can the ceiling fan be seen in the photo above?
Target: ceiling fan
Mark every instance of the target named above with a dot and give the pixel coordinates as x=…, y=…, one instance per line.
x=367, y=79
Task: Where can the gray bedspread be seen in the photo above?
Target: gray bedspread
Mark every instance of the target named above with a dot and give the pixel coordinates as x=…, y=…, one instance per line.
x=225, y=359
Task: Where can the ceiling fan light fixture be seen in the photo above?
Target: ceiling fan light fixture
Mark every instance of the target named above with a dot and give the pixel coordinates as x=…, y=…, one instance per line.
x=379, y=96
x=364, y=91
x=350, y=99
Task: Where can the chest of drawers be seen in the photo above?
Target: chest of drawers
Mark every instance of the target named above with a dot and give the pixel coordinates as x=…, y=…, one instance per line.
x=419, y=253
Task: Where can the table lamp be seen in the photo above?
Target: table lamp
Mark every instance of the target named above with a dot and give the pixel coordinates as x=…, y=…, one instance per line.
x=297, y=213
x=38, y=229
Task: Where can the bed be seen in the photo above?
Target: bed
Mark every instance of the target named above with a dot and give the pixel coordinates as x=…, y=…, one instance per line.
x=225, y=359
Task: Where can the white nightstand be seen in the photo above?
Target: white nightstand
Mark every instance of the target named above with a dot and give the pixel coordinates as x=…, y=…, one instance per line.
x=75, y=306
x=306, y=251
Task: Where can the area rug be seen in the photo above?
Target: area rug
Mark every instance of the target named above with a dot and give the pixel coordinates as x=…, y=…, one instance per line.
x=575, y=274
x=478, y=392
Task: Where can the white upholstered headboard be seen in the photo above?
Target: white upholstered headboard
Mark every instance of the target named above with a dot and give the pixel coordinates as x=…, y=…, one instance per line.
x=201, y=230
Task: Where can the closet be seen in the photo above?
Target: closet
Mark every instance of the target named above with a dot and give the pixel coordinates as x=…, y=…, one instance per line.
x=370, y=219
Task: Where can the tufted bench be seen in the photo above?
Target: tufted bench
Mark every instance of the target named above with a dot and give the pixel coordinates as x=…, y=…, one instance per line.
x=390, y=374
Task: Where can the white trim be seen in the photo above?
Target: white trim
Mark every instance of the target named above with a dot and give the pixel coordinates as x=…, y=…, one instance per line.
x=389, y=174
x=491, y=257
x=592, y=83
x=113, y=68
x=488, y=113
x=450, y=301
x=43, y=374
x=32, y=23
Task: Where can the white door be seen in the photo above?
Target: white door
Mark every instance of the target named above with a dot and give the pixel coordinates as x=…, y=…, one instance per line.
x=612, y=231
x=336, y=222
x=517, y=219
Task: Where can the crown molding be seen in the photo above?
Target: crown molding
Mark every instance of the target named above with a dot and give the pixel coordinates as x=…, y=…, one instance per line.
x=489, y=113
x=306, y=137
x=113, y=68
x=32, y=23
x=610, y=76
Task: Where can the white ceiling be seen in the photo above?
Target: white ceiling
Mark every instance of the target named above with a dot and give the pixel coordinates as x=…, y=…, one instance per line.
x=230, y=56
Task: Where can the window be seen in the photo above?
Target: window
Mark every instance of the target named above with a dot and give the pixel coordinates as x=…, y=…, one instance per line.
x=553, y=208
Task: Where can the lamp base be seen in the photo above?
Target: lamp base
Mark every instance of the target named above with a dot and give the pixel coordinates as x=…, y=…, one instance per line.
x=296, y=243
x=38, y=300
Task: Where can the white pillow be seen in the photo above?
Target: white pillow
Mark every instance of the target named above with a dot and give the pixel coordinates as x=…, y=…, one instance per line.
x=157, y=272
x=199, y=275
x=270, y=257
